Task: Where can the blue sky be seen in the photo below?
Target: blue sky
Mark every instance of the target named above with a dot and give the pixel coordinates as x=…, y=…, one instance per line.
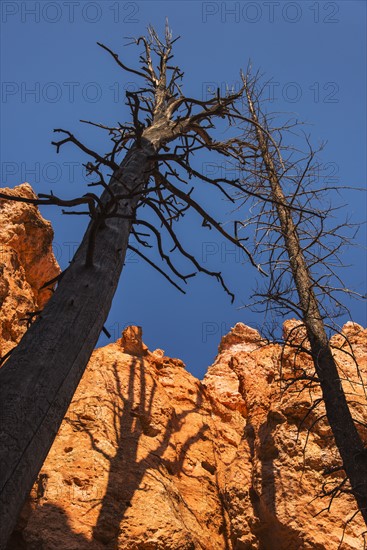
x=54, y=74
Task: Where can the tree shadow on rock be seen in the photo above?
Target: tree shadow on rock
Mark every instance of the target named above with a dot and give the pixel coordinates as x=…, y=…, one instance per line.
x=132, y=412
x=271, y=533
x=61, y=535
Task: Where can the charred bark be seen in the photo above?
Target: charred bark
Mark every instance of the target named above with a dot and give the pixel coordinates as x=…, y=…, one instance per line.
x=38, y=381
x=347, y=438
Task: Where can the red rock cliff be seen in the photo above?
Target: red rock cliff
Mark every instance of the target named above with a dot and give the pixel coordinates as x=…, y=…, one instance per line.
x=148, y=457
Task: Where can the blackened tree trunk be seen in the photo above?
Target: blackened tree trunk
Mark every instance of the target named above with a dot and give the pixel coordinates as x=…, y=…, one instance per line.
x=38, y=381
x=347, y=438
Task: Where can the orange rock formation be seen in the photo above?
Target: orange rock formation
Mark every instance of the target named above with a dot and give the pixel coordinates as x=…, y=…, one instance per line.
x=26, y=263
x=148, y=457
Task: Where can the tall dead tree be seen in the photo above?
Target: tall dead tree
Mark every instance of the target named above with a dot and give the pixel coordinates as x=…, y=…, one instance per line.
x=300, y=249
x=166, y=131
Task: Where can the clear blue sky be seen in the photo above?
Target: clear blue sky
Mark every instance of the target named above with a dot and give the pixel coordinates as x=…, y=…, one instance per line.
x=54, y=74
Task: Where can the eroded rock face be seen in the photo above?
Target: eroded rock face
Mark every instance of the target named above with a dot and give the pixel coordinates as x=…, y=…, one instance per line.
x=148, y=457
x=26, y=263
x=134, y=464
x=287, y=446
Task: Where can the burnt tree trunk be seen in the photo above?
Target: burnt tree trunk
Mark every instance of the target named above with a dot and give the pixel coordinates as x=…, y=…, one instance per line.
x=39, y=379
x=347, y=439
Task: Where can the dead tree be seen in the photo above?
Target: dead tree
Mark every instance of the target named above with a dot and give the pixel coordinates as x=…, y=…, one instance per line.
x=166, y=131
x=300, y=249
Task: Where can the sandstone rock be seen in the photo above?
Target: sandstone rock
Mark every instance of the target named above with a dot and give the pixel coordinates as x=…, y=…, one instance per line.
x=241, y=338
x=132, y=343
x=148, y=457
x=134, y=462
x=287, y=446
x=26, y=263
